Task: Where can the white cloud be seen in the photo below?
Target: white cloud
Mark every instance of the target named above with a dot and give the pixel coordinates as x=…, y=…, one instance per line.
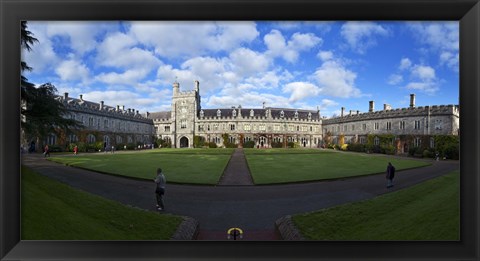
x=405, y=63
x=300, y=90
x=362, y=35
x=428, y=87
x=395, y=79
x=81, y=35
x=193, y=38
x=442, y=37
x=423, y=72
x=42, y=57
x=72, y=70
x=289, y=51
x=129, y=77
x=325, y=55
x=336, y=80
x=246, y=62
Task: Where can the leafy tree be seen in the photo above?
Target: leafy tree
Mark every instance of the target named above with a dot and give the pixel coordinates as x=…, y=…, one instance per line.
x=42, y=112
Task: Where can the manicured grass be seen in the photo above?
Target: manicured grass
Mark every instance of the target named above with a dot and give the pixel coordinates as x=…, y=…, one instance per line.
x=54, y=211
x=427, y=211
x=294, y=165
x=195, y=166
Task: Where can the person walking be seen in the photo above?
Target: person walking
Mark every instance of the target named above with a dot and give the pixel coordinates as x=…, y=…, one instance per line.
x=75, y=150
x=160, y=189
x=46, y=151
x=390, y=175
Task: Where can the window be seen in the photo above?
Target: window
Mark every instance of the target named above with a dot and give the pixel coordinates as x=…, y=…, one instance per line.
x=261, y=127
x=376, y=141
x=402, y=125
x=417, y=125
x=51, y=139
x=438, y=124
x=167, y=129
x=389, y=125
x=208, y=127
x=183, y=124
x=232, y=139
x=72, y=138
x=417, y=142
x=345, y=128
x=215, y=126
x=298, y=128
x=232, y=127
x=376, y=125
x=362, y=140
x=353, y=127
x=291, y=127
x=90, y=121
x=305, y=128
x=247, y=127
x=200, y=127
x=90, y=138
x=432, y=142
x=276, y=127
x=364, y=126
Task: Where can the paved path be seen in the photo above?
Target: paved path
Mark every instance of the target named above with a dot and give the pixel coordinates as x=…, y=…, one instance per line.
x=237, y=171
x=252, y=208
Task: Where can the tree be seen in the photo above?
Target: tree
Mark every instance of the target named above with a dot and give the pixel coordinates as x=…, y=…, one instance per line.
x=42, y=112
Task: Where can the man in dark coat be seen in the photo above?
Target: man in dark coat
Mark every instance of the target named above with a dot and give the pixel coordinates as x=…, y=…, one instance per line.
x=390, y=175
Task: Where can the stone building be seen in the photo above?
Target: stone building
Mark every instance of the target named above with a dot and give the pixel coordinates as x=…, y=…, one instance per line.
x=415, y=122
x=103, y=123
x=262, y=126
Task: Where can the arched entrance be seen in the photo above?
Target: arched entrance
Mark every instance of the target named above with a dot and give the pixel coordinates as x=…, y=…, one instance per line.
x=405, y=148
x=184, y=142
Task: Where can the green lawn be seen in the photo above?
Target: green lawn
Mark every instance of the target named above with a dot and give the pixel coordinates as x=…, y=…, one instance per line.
x=195, y=166
x=427, y=211
x=54, y=211
x=294, y=165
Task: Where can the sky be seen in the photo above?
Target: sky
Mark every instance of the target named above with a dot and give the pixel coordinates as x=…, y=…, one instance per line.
x=302, y=65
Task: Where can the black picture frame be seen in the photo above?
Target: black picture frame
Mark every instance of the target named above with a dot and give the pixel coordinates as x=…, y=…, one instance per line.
x=12, y=12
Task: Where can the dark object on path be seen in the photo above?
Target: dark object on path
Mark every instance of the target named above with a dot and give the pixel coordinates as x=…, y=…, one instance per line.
x=160, y=189
x=390, y=175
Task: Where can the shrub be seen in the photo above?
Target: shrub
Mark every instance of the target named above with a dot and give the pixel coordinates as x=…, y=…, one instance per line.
x=249, y=144
x=277, y=144
x=451, y=152
x=54, y=148
x=344, y=147
x=389, y=149
x=212, y=145
x=357, y=147
x=291, y=144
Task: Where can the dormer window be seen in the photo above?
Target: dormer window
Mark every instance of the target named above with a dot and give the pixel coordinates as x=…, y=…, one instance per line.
x=296, y=115
x=234, y=113
x=219, y=113
x=309, y=115
x=251, y=113
x=202, y=114
x=282, y=114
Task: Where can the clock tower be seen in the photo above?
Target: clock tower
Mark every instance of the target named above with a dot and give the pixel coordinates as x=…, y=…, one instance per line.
x=185, y=107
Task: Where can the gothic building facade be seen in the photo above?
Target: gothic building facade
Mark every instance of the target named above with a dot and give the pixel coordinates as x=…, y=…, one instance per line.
x=263, y=126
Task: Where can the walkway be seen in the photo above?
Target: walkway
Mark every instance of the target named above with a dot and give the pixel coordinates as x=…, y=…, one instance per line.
x=237, y=171
x=252, y=208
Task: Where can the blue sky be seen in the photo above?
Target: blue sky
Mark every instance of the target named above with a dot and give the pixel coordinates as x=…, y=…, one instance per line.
x=305, y=65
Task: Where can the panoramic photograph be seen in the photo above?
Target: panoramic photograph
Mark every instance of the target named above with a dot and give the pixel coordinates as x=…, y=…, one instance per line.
x=240, y=130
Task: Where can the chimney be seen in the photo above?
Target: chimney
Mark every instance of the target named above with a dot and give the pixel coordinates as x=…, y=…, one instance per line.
x=350, y=112
x=81, y=97
x=101, y=105
x=137, y=112
x=118, y=107
x=65, y=97
x=387, y=107
x=123, y=107
x=128, y=110
x=148, y=114
x=197, y=86
x=412, y=100
x=343, y=110
x=371, y=106
x=358, y=112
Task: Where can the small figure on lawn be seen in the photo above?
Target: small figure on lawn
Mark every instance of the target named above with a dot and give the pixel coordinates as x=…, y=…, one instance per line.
x=390, y=175
x=160, y=189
